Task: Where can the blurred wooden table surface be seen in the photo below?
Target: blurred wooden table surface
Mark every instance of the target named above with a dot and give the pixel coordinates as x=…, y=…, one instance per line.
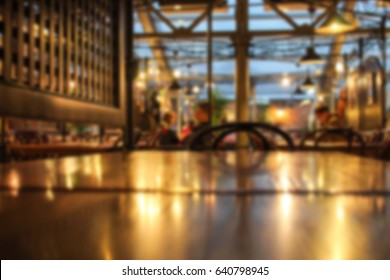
x=58, y=148
x=183, y=205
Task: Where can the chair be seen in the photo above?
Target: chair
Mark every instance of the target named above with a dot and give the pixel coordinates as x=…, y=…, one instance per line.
x=385, y=150
x=320, y=135
x=212, y=138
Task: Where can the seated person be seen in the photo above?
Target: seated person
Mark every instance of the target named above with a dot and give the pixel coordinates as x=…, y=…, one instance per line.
x=202, y=118
x=167, y=136
x=187, y=130
x=327, y=119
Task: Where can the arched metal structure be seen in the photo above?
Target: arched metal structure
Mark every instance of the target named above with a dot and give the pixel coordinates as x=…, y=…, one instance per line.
x=226, y=129
x=320, y=135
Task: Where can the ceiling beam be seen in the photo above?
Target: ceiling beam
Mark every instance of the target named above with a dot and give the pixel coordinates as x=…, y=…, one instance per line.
x=158, y=53
x=255, y=79
x=180, y=34
x=283, y=15
x=262, y=79
x=217, y=17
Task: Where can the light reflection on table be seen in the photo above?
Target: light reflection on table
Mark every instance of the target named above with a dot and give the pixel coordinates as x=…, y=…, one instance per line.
x=156, y=205
x=161, y=226
x=183, y=172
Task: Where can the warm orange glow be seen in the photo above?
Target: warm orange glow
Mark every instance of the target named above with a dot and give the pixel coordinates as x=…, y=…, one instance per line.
x=151, y=71
x=14, y=182
x=140, y=84
x=280, y=112
x=286, y=204
x=177, y=207
x=69, y=184
x=142, y=76
x=338, y=23
x=72, y=85
x=70, y=167
x=340, y=212
x=49, y=194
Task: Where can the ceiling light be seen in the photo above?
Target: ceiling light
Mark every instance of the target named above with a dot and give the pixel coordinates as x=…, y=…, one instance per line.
x=177, y=73
x=280, y=112
x=338, y=23
x=298, y=91
x=308, y=84
x=311, y=57
x=139, y=84
x=340, y=67
x=286, y=81
x=151, y=71
x=72, y=85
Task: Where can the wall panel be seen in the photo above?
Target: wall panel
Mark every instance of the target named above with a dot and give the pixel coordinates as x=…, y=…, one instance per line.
x=65, y=53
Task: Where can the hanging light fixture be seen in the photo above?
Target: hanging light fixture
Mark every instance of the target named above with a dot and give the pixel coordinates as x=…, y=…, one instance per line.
x=308, y=84
x=340, y=68
x=338, y=23
x=298, y=91
x=311, y=57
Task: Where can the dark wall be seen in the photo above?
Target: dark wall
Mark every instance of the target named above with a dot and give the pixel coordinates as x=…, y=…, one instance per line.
x=63, y=60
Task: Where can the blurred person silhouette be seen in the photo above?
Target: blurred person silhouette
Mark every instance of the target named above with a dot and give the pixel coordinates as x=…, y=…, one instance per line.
x=202, y=116
x=202, y=119
x=187, y=129
x=155, y=107
x=326, y=119
x=342, y=106
x=167, y=135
